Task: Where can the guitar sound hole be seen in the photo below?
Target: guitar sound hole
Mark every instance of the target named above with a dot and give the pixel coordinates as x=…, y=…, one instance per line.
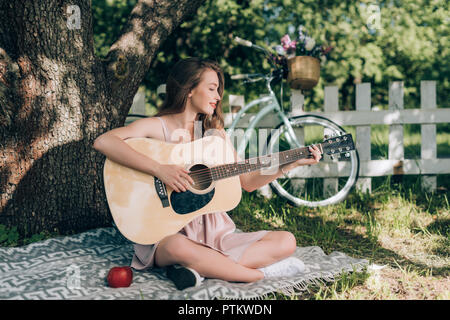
x=201, y=176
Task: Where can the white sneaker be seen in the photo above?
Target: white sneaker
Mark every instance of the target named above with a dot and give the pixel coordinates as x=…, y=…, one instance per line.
x=284, y=268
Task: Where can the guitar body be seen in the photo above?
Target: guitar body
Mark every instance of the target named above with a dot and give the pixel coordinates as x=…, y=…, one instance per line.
x=139, y=212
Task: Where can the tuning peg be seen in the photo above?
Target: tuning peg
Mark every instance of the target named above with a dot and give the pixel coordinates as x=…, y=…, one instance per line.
x=347, y=154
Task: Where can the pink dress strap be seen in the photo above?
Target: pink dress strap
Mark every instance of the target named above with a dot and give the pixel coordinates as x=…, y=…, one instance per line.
x=165, y=130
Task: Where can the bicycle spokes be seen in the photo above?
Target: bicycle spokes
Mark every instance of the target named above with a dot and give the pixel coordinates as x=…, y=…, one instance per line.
x=325, y=183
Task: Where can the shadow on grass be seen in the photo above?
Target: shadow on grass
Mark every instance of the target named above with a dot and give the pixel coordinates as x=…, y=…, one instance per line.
x=440, y=227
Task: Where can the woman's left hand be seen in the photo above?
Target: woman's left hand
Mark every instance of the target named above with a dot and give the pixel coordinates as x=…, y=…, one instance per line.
x=317, y=155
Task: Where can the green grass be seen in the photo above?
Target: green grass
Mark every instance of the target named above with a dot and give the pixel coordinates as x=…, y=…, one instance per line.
x=399, y=227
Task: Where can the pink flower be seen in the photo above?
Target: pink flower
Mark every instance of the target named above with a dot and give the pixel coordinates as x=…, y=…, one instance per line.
x=287, y=44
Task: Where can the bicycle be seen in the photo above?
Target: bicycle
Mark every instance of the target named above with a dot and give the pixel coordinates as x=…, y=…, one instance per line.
x=294, y=132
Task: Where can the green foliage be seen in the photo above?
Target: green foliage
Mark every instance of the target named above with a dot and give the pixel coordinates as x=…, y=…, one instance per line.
x=109, y=17
x=10, y=237
x=376, y=42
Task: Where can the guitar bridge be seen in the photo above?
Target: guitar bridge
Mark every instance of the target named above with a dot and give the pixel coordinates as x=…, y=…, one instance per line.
x=162, y=192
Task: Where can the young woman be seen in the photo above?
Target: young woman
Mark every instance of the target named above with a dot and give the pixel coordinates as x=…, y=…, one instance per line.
x=208, y=246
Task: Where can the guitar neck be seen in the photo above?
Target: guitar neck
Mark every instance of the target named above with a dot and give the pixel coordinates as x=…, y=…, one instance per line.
x=253, y=164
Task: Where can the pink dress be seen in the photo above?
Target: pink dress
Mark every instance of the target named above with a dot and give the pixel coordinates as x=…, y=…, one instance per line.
x=214, y=230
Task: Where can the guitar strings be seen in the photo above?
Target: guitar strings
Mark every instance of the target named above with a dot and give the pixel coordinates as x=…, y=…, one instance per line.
x=248, y=161
x=206, y=175
x=295, y=151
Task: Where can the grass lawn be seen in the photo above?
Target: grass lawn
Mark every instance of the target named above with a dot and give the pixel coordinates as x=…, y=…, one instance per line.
x=397, y=226
x=403, y=230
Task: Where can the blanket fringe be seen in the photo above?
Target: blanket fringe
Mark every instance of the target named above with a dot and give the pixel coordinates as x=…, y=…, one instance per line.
x=296, y=288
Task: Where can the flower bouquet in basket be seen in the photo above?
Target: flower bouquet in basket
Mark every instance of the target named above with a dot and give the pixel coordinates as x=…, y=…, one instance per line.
x=302, y=58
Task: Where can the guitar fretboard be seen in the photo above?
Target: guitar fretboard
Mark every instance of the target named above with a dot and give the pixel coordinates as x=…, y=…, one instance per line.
x=253, y=164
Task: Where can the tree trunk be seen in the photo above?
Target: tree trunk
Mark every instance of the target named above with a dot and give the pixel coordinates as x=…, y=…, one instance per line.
x=56, y=97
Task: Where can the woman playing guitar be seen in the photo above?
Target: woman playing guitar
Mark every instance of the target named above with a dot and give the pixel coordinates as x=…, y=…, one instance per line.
x=208, y=246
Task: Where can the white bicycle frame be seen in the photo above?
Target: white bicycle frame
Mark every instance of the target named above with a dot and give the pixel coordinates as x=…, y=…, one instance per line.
x=272, y=106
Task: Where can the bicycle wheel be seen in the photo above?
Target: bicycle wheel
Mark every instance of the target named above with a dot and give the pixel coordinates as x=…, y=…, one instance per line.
x=325, y=183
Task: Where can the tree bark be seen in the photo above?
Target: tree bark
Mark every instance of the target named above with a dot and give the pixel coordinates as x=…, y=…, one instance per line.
x=56, y=97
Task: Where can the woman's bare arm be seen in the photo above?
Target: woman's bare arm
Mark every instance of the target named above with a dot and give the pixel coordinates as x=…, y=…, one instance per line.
x=113, y=146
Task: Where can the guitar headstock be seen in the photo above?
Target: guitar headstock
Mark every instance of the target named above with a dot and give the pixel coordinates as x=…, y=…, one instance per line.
x=337, y=145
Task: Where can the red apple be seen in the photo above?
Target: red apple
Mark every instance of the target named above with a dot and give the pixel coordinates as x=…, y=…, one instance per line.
x=119, y=277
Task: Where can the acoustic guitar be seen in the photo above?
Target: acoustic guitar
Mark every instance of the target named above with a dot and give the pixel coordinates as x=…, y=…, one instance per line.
x=145, y=210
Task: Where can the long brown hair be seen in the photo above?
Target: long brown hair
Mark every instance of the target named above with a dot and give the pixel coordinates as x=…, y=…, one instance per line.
x=184, y=77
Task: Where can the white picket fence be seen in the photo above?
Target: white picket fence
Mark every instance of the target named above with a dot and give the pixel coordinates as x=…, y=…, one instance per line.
x=428, y=166
x=428, y=115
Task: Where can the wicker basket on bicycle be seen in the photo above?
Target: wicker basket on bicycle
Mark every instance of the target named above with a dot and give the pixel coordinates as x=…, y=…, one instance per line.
x=304, y=72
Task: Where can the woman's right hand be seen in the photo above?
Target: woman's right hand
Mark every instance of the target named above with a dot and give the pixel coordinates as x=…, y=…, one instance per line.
x=175, y=177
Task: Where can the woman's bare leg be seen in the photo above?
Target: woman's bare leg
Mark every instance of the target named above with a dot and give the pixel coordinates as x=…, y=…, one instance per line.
x=273, y=247
x=209, y=263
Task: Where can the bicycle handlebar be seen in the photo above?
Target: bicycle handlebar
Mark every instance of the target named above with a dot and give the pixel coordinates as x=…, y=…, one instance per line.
x=238, y=76
x=249, y=44
x=254, y=46
x=243, y=42
x=274, y=74
x=248, y=76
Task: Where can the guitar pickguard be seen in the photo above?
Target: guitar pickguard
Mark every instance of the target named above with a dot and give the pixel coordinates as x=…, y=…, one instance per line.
x=188, y=202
